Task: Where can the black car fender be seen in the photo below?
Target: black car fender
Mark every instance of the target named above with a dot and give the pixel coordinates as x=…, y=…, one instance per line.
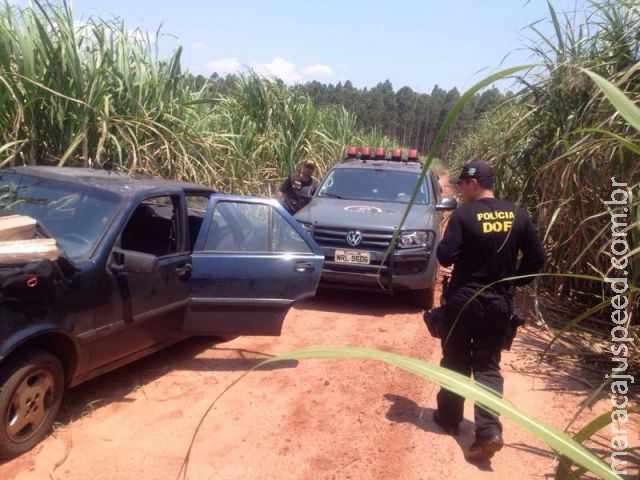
x=46, y=336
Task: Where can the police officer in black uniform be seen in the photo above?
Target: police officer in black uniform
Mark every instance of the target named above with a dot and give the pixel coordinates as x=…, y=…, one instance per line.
x=289, y=193
x=482, y=241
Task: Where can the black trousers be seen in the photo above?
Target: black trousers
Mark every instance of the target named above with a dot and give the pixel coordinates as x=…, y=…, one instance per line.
x=473, y=348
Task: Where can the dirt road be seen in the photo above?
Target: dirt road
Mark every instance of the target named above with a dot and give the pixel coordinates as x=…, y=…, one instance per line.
x=307, y=420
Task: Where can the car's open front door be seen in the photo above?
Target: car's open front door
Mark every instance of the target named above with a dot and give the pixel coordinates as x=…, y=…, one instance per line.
x=251, y=262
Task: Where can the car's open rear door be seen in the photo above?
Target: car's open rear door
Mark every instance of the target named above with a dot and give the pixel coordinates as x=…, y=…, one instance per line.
x=250, y=263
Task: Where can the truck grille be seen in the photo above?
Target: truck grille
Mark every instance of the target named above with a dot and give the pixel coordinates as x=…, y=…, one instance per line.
x=375, y=241
x=327, y=236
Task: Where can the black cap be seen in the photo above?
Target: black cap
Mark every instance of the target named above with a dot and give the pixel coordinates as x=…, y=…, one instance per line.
x=473, y=169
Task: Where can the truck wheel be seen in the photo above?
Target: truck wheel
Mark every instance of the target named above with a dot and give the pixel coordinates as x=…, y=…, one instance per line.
x=30, y=394
x=423, y=298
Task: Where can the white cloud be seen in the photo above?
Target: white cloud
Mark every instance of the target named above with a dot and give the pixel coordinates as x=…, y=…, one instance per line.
x=224, y=65
x=318, y=69
x=280, y=68
x=199, y=45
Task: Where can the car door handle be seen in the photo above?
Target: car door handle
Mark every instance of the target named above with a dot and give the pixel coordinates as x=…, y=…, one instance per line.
x=184, y=271
x=303, y=267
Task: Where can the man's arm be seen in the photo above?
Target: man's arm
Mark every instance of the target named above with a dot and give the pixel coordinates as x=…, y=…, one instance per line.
x=284, y=188
x=449, y=247
x=532, y=253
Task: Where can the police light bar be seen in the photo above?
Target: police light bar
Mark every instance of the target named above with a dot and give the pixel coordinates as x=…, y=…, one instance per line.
x=365, y=153
x=379, y=153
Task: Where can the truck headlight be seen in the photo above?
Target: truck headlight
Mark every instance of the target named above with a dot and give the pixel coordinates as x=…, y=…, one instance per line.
x=416, y=239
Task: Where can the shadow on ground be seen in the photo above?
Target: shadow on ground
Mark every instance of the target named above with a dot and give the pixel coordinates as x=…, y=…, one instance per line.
x=377, y=304
x=405, y=410
x=116, y=386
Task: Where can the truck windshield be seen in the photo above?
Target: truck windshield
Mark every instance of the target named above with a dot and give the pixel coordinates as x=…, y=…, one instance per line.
x=75, y=218
x=373, y=185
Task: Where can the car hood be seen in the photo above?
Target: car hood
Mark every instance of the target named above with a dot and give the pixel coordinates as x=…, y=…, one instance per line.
x=366, y=214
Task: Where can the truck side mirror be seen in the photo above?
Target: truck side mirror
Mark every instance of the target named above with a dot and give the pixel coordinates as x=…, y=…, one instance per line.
x=447, y=203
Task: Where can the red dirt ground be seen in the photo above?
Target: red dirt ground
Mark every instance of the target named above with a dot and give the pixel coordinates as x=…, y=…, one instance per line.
x=306, y=420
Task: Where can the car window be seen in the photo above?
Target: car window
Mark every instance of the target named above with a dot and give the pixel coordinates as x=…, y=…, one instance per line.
x=250, y=227
x=196, y=208
x=75, y=217
x=152, y=227
x=369, y=184
x=285, y=238
x=197, y=203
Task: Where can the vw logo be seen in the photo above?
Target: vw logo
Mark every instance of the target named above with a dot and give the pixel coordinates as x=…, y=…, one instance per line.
x=354, y=238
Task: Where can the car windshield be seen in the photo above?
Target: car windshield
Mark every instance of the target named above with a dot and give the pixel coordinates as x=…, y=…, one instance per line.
x=373, y=185
x=74, y=217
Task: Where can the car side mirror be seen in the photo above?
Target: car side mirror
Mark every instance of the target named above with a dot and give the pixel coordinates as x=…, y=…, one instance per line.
x=447, y=203
x=132, y=262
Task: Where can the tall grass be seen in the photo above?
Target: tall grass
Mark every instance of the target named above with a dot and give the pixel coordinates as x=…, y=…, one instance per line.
x=267, y=130
x=557, y=143
x=92, y=95
x=97, y=95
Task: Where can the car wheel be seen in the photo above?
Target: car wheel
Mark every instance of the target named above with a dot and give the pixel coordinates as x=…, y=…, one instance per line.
x=423, y=298
x=30, y=394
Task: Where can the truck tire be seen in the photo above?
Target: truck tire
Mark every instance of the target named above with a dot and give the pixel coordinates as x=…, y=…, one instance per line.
x=31, y=389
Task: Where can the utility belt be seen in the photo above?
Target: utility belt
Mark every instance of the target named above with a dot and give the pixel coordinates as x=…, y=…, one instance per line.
x=436, y=320
x=487, y=288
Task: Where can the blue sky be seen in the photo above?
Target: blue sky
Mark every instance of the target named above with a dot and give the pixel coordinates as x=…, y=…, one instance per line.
x=414, y=43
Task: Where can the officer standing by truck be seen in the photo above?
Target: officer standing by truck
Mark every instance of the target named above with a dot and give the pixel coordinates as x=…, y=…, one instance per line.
x=482, y=241
x=290, y=190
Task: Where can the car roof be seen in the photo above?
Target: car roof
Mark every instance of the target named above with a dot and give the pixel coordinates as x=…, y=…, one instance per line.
x=380, y=164
x=122, y=183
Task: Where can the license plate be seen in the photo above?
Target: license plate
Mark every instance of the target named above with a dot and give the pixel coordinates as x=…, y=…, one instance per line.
x=352, y=256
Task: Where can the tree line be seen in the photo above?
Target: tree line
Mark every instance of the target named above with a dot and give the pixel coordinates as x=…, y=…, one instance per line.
x=409, y=118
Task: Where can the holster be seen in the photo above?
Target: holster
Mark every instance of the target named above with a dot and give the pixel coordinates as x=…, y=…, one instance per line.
x=514, y=322
x=435, y=319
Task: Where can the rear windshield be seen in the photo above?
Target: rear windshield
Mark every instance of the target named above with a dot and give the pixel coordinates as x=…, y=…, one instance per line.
x=373, y=185
x=75, y=217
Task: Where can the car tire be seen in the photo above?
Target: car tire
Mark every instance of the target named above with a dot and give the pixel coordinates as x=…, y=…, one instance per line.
x=31, y=391
x=423, y=298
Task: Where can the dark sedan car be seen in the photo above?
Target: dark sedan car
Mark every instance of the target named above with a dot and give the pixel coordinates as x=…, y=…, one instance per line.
x=144, y=262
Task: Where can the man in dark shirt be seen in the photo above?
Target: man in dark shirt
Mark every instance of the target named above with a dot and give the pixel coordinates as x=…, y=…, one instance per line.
x=482, y=242
x=290, y=190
